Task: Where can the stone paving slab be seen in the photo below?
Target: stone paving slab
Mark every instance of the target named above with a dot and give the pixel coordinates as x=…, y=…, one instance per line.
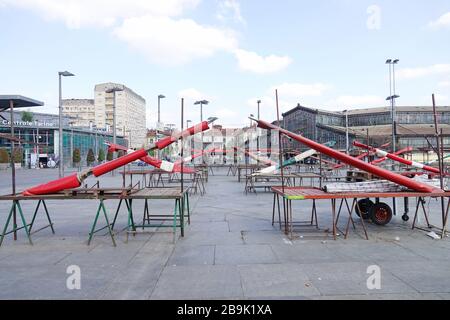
x=272, y=280
x=199, y=282
x=244, y=254
x=192, y=255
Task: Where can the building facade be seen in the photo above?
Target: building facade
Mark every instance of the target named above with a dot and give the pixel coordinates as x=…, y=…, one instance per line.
x=414, y=126
x=130, y=112
x=39, y=139
x=82, y=111
x=99, y=112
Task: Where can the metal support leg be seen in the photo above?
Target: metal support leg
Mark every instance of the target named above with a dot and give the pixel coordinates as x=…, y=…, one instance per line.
x=188, y=207
x=175, y=211
x=24, y=223
x=46, y=213
x=48, y=216
x=8, y=220
x=333, y=211
x=91, y=234
x=116, y=214
x=108, y=224
x=273, y=208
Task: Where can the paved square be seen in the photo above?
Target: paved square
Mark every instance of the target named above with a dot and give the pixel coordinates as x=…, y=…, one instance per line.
x=230, y=251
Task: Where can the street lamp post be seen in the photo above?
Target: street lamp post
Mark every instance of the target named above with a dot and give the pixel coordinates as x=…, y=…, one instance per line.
x=392, y=96
x=201, y=103
x=347, y=140
x=257, y=130
x=187, y=126
x=161, y=96
x=113, y=91
x=394, y=121
x=61, y=153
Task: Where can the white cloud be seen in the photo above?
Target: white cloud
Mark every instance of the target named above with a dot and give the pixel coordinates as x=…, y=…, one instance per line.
x=156, y=28
x=251, y=61
x=192, y=94
x=230, y=9
x=442, y=22
x=299, y=90
x=349, y=101
x=414, y=73
x=101, y=13
x=168, y=41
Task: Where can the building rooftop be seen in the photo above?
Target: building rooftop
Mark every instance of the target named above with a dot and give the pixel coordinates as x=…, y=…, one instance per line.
x=370, y=110
x=110, y=85
x=386, y=130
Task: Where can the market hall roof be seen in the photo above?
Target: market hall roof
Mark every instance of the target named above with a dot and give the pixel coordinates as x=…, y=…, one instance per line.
x=354, y=112
x=386, y=130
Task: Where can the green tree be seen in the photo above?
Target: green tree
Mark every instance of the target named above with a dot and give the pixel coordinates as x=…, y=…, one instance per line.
x=27, y=116
x=76, y=157
x=4, y=156
x=101, y=155
x=90, y=158
x=18, y=155
x=110, y=156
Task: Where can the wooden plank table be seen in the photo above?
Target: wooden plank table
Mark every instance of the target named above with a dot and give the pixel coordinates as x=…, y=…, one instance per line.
x=289, y=194
x=125, y=195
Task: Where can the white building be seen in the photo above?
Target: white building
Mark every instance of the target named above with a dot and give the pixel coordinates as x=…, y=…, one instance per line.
x=130, y=112
x=82, y=111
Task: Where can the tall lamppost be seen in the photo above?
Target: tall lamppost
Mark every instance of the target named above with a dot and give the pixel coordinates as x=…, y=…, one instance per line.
x=113, y=91
x=347, y=140
x=187, y=126
x=392, y=96
x=61, y=153
x=257, y=130
x=158, y=126
x=201, y=103
x=161, y=96
x=394, y=121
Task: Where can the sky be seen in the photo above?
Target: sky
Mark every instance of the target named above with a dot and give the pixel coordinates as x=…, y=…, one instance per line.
x=325, y=54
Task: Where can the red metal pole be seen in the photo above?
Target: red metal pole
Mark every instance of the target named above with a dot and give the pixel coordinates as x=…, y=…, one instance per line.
x=406, y=150
x=382, y=153
x=75, y=180
x=396, y=178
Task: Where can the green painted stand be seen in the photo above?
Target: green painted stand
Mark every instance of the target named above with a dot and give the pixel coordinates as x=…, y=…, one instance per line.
x=181, y=206
x=109, y=226
x=27, y=227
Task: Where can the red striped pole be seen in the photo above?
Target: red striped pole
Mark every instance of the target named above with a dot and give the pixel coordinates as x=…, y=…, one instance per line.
x=382, y=153
x=74, y=181
x=385, y=174
x=405, y=150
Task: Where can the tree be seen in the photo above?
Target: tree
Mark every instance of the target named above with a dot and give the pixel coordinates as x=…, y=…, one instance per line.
x=90, y=158
x=4, y=156
x=18, y=155
x=120, y=154
x=27, y=116
x=110, y=156
x=101, y=155
x=76, y=157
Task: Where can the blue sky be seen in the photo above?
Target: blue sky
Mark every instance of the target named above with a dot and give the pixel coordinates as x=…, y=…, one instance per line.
x=326, y=54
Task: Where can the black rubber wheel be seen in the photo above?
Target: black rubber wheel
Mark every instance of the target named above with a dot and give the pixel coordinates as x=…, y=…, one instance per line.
x=380, y=214
x=363, y=207
x=405, y=218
